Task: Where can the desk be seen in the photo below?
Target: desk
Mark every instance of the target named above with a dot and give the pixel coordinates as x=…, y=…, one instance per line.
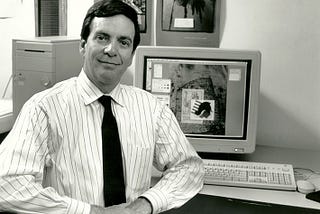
x=299, y=158
x=289, y=198
x=229, y=200
x=296, y=157
x=205, y=204
x=295, y=200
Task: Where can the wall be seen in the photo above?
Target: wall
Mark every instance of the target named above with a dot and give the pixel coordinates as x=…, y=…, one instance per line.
x=76, y=14
x=287, y=33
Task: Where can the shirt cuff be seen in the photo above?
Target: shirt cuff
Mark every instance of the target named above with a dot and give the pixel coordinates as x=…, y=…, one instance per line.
x=157, y=200
x=75, y=206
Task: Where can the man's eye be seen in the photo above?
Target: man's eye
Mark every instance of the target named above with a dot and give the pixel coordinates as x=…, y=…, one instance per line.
x=101, y=37
x=125, y=43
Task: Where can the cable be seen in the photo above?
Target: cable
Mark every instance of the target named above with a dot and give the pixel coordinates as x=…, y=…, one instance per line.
x=6, y=88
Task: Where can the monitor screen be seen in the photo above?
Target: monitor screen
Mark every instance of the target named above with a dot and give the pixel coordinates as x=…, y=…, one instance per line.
x=212, y=92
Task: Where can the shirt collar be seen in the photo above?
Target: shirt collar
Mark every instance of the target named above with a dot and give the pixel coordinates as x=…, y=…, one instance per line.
x=90, y=92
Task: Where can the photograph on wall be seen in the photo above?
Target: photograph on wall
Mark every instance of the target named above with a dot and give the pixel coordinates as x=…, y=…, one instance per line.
x=188, y=15
x=141, y=8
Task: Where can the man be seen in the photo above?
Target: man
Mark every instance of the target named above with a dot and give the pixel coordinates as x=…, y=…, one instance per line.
x=52, y=160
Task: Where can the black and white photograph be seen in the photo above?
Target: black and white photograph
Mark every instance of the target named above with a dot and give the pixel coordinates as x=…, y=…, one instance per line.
x=188, y=15
x=159, y=106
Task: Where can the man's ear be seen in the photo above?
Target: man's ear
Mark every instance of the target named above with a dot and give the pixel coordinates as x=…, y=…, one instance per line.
x=82, y=47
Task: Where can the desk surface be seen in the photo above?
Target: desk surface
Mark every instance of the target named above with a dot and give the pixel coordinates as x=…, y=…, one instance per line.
x=277, y=197
x=289, y=198
x=206, y=204
x=299, y=158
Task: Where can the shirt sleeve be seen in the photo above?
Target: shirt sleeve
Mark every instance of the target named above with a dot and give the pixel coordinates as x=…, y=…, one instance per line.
x=182, y=168
x=23, y=157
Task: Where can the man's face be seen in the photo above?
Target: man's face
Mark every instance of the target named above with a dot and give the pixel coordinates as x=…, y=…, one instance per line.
x=108, y=51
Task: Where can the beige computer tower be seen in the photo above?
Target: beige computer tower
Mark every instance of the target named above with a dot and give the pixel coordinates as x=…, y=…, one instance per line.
x=39, y=63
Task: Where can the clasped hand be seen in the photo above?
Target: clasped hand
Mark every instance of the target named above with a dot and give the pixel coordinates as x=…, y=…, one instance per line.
x=116, y=209
x=139, y=206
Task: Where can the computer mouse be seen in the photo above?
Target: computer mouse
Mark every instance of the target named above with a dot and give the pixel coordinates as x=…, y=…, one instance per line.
x=305, y=186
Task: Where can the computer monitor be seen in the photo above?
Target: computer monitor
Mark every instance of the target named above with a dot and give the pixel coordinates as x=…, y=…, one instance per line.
x=213, y=93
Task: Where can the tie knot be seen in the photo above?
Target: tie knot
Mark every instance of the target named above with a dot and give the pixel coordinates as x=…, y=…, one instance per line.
x=105, y=101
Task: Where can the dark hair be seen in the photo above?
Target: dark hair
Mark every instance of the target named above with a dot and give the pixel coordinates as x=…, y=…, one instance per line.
x=107, y=8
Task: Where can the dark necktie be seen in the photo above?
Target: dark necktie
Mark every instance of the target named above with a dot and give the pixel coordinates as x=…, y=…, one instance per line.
x=114, y=189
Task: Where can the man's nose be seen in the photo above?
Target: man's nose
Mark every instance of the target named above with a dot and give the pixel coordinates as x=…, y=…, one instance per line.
x=110, y=49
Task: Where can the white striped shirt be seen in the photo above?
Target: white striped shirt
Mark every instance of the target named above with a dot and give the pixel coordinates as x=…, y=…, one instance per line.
x=51, y=161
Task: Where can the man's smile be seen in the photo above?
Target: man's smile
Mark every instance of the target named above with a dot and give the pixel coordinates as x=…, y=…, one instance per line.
x=108, y=62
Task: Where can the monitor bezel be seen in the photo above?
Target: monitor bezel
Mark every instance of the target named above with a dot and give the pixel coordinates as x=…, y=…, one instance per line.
x=217, y=145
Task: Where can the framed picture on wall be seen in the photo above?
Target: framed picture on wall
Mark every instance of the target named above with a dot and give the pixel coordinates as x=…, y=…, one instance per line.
x=190, y=23
x=188, y=15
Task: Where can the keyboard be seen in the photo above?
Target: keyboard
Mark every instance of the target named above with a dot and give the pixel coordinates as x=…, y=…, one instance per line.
x=249, y=174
